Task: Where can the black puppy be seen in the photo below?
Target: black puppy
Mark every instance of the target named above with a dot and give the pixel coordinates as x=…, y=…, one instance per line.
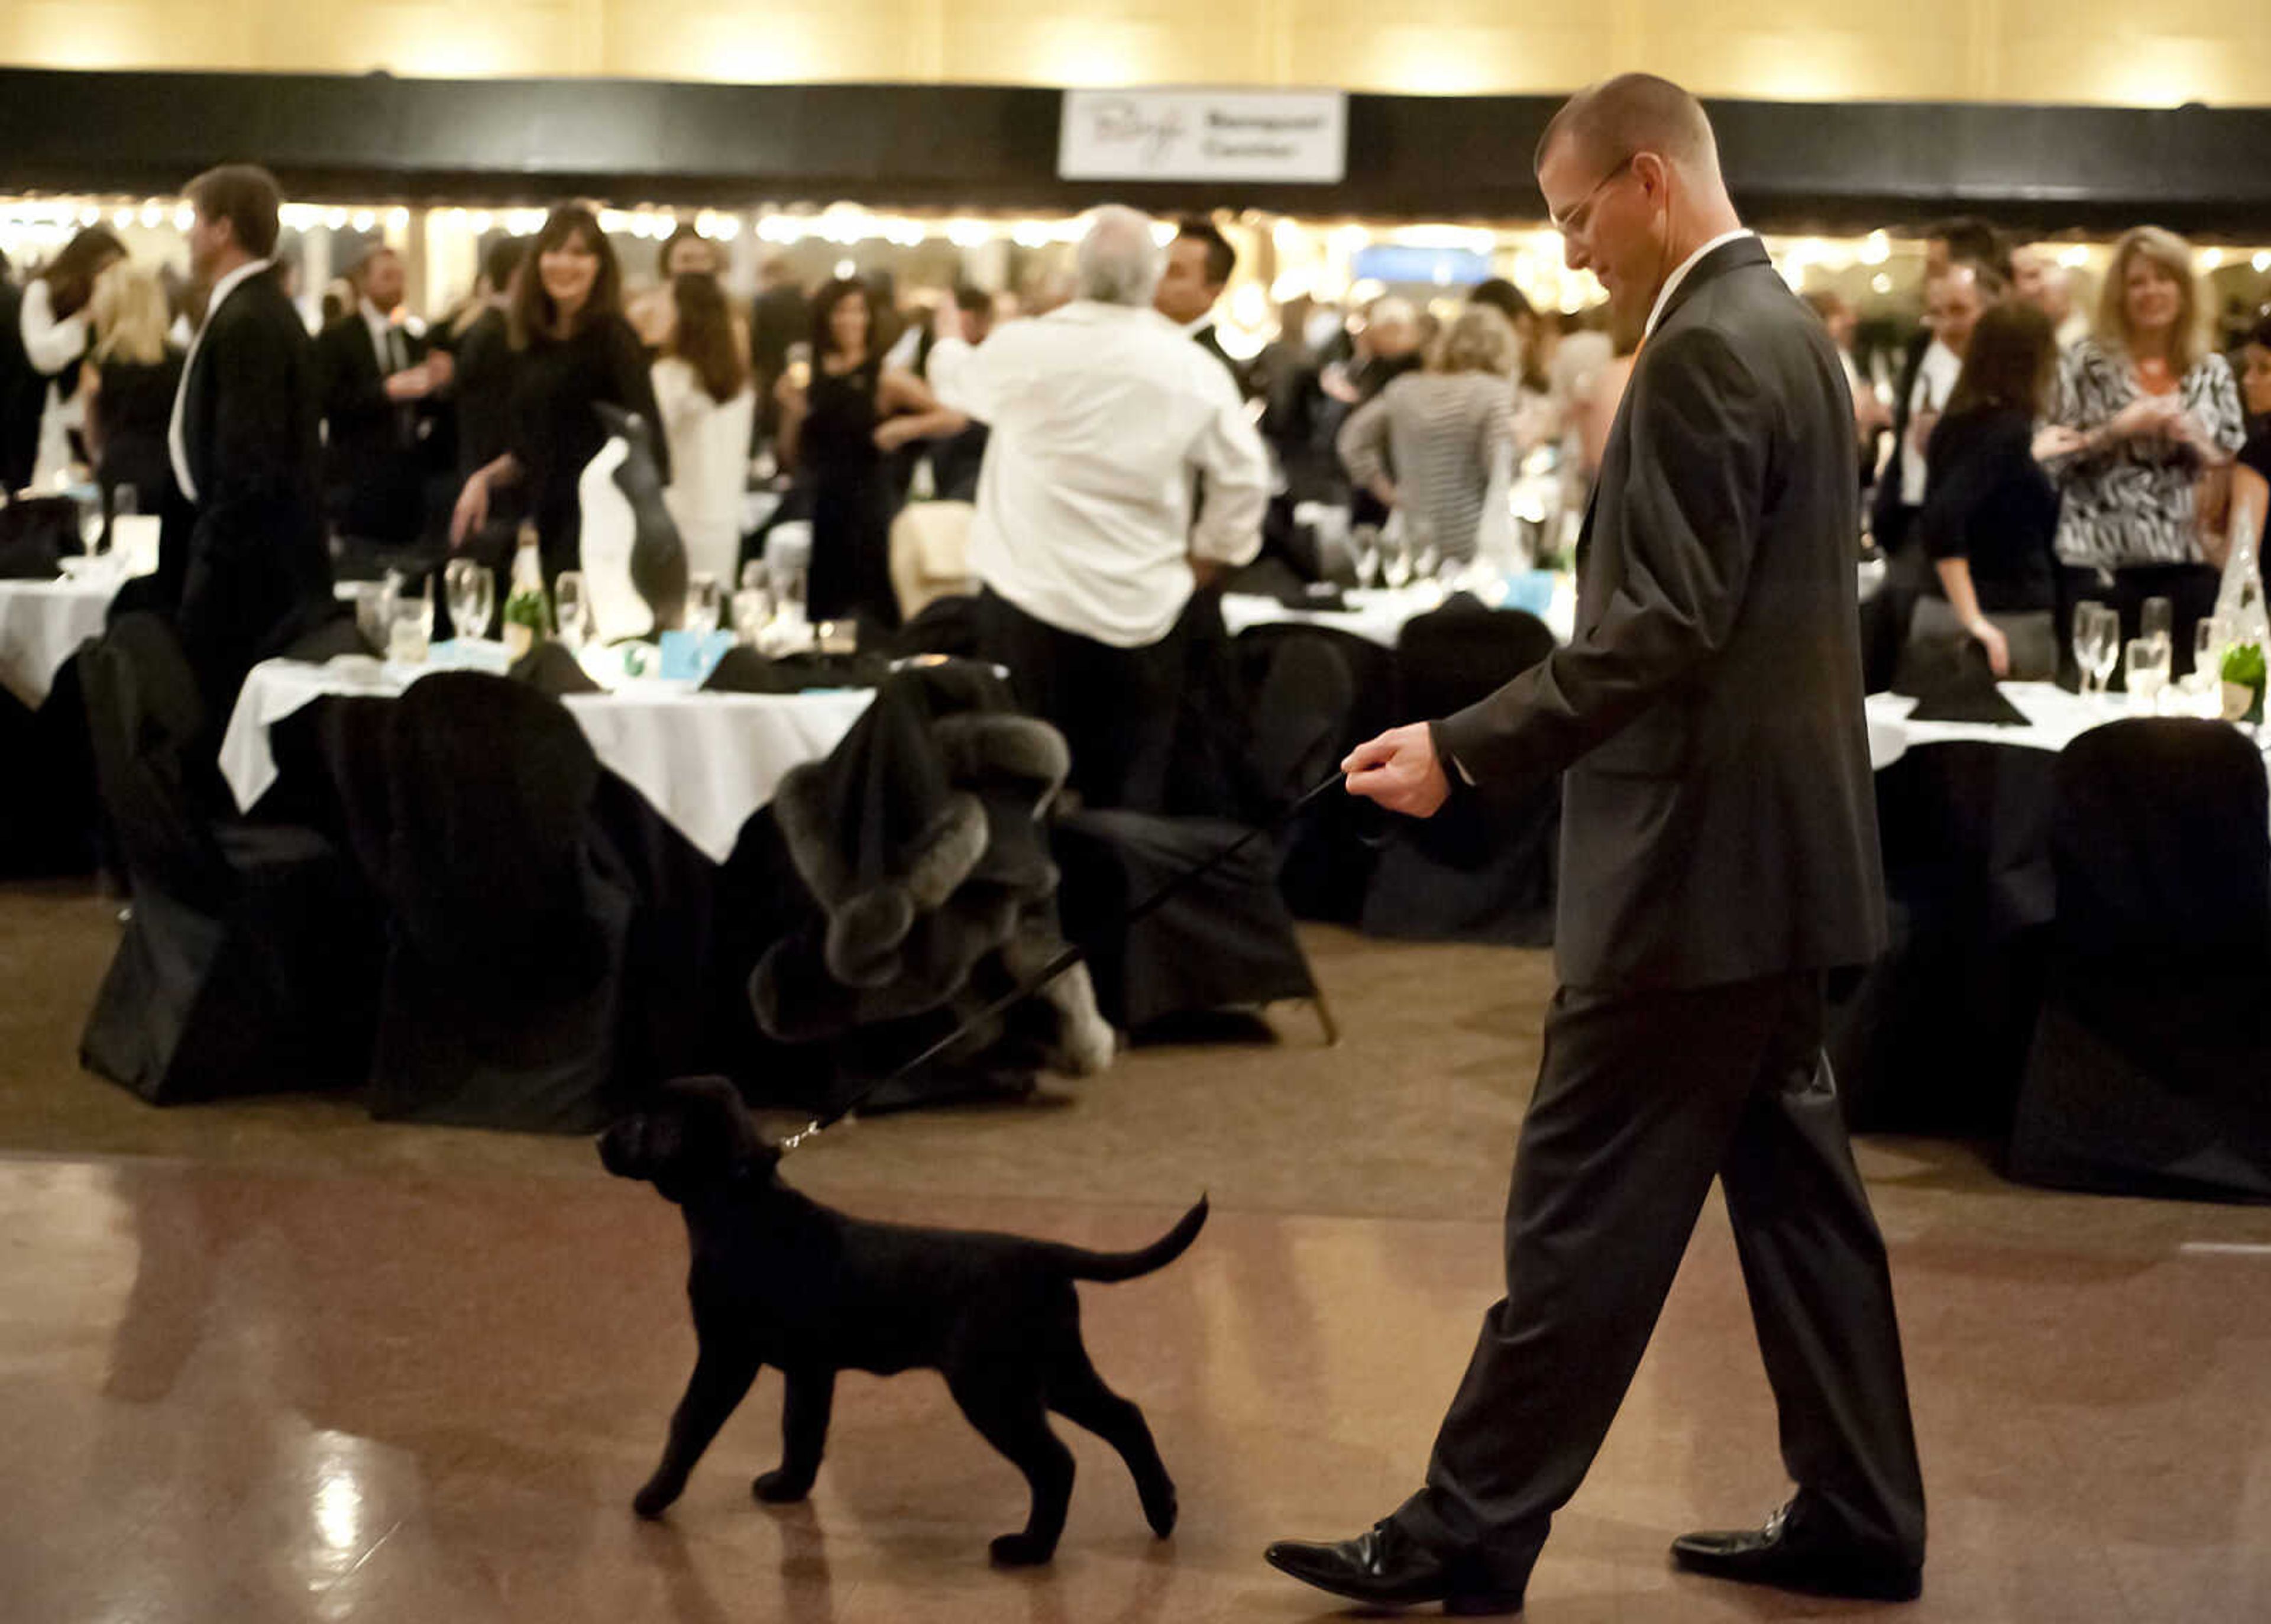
x=778, y=1279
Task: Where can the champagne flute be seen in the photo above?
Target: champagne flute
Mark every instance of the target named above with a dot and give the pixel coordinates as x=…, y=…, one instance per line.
x=474, y=598
x=2105, y=646
x=702, y=603
x=2148, y=667
x=1364, y=552
x=2085, y=640
x=572, y=610
x=2157, y=619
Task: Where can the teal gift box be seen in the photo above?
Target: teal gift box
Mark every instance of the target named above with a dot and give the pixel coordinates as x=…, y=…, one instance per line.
x=690, y=656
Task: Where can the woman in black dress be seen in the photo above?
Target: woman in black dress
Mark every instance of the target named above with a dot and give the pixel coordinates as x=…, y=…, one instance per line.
x=1990, y=518
x=129, y=383
x=837, y=424
x=572, y=349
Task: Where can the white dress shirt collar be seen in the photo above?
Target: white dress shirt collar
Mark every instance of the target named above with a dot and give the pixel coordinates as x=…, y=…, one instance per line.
x=176, y=441
x=1671, y=283
x=382, y=335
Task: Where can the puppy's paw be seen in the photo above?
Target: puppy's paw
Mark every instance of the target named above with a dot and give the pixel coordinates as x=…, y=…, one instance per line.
x=1021, y=1551
x=1159, y=1508
x=655, y=1497
x=781, y=1487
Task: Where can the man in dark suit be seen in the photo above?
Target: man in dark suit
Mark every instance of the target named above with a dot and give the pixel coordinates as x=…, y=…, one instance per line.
x=242, y=550
x=1719, y=856
x=1198, y=268
x=376, y=385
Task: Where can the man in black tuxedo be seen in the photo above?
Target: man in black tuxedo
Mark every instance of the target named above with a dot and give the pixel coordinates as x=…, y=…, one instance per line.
x=1198, y=268
x=376, y=385
x=1719, y=855
x=242, y=550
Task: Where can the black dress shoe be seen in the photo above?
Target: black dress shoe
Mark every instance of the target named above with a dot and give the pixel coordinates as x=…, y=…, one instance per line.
x=1789, y=1558
x=1384, y=1566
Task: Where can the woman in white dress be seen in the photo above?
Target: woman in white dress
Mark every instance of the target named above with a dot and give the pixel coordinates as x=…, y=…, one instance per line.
x=54, y=326
x=703, y=387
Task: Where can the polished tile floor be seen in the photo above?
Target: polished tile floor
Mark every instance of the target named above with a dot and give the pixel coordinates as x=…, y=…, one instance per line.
x=253, y=1369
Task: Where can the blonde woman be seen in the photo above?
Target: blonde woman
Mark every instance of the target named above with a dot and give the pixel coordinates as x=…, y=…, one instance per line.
x=128, y=381
x=2158, y=417
x=1427, y=443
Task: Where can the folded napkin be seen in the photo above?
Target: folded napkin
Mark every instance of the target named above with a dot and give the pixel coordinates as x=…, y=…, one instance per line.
x=34, y=533
x=1312, y=595
x=1960, y=688
x=745, y=671
x=549, y=668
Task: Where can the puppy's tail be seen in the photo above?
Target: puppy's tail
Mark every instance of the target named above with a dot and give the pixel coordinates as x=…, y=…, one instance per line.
x=1082, y=1264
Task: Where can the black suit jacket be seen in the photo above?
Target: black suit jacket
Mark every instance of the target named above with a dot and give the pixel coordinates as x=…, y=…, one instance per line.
x=23, y=395
x=1889, y=515
x=1719, y=822
x=374, y=468
x=1210, y=342
x=254, y=551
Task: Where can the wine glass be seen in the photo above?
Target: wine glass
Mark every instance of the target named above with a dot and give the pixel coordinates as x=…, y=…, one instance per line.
x=2104, y=645
x=2209, y=639
x=1426, y=557
x=573, y=610
x=2085, y=643
x=1396, y=558
x=2157, y=619
x=1364, y=552
x=703, y=603
x=753, y=576
x=420, y=606
x=753, y=608
x=472, y=595
x=2148, y=667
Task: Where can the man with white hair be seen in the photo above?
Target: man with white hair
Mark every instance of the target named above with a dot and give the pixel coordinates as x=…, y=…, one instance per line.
x=1101, y=413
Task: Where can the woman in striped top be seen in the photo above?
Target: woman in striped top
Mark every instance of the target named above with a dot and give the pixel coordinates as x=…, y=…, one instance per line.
x=1428, y=443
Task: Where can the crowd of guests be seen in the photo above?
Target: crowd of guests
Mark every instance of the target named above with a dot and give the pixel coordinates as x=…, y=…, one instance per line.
x=1117, y=454
x=2034, y=458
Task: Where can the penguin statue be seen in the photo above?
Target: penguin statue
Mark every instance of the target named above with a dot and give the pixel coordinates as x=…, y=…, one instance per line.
x=633, y=558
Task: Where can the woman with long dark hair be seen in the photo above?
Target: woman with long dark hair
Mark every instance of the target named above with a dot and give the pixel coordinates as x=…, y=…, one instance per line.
x=708, y=408
x=1989, y=522
x=572, y=349
x=836, y=427
x=52, y=337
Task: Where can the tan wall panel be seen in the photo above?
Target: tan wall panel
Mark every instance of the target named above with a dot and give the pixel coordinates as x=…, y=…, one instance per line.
x=2021, y=51
x=758, y=44
x=1106, y=41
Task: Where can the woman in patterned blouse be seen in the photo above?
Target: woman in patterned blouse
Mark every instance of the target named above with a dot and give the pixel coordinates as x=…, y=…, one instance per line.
x=2156, y=411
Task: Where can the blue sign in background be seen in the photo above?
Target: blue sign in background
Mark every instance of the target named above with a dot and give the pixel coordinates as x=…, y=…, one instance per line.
x=1444, y=267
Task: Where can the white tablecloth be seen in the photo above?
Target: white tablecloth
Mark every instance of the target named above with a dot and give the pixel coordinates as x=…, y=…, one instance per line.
x=706, y=761
x=2055, y=718
x=1377, y=615
x=42, y=625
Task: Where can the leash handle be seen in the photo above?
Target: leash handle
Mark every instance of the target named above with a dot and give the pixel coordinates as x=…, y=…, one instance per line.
x=1064, y=961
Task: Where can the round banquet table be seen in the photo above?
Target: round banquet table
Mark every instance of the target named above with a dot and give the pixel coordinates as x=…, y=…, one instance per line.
x=704, y=761
x=42, y=625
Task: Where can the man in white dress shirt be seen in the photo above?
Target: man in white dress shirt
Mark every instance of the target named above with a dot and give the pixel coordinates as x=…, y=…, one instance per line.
x=1101, y=412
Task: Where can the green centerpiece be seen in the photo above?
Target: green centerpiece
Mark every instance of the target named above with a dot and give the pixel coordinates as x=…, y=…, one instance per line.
x=2243, y=682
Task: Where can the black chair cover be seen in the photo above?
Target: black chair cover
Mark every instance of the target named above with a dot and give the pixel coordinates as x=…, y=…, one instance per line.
x=1330, y=853
x=1227, y=942
x=1931, y=1038
x=2150, y=1072
x=250, y=959
x=1483, y=869
x=508, y=937
x=947, y=625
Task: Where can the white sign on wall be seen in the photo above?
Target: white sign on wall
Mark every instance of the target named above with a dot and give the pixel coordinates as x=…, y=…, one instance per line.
x=1204, y=135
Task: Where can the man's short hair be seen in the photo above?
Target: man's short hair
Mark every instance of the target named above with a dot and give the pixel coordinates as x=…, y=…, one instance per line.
x=973, y=301
x=1221, y=258
x=247, y=198
x=372, y=257
x=1969, y=237
x=1633, y=113
x=1991, y=282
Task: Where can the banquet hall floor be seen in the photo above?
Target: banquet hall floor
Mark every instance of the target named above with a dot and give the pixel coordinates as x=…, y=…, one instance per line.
x=275, y=1361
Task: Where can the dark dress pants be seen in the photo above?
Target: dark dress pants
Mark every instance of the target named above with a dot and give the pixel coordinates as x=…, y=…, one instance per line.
x=1119, y=709
x=1642, y=1099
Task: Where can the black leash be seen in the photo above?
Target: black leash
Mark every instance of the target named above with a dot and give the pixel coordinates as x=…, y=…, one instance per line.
x=1061, y=962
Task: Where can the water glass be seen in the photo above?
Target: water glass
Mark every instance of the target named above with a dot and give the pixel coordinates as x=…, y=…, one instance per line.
x=572, y=608
x=1364, y=552
x=472, y=596
x=703, y=603
x=2157, y=619
x=753, y=608
x=410, y=631
x=2148, y=668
